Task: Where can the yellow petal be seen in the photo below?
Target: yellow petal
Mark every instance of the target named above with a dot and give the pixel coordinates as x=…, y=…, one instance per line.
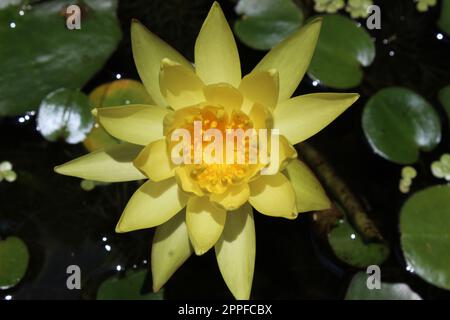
x=291, y=57
x=216, y=54
x=170, y=249
x=138, y=124
x=273, y=195
x=114, y=164
x=180, y=86
x=205, y=223
x=261, y=117
x=233, y=198
x=148, y=51
x=155, y=162
x=261, y=87
x=235, y=252
x=308, y=190
x=185, y=181
x=151, y=205
x=175, y=120
x=279, y=161
x=224, y=95
x=302, y=117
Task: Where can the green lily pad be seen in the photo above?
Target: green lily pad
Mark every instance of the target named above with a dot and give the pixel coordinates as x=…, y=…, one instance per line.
x=425, y=234
x=65, y=114
x=349, y=247
x=14, y=259
x=444, y=19
x=358, y=290
x=444, y=99
x=43, y=55
x=265, y=23
x=342, y=50
x=399, y=123
x=116, y=93
x=126, y=288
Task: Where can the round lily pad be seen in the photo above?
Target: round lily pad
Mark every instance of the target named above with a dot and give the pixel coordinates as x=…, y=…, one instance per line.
x=126, y=288
x=264, y=23
x=42, y=54
x=342, y=50
x=399, y=123
x=358, y=290
x=116, y=93
x=65, y=114
x=349, y=247
x=425, y=234
x=14, y=259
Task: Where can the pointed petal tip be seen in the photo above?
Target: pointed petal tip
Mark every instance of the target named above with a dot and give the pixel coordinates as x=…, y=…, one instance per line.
x=200, y=251
x=353, y=97
x=216, y=5
x=273, y=72
x=156, y=287
x=317, y=20
x=119, y=228
x=135, y=21
x=61, y=170
x=166, y=62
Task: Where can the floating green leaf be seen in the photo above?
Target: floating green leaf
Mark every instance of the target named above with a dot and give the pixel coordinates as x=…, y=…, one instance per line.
x=14, y=259
x=265, y=23
x=444, y=19
x=42, y=54
x=398, y=123
x=126, y=288
x=425, y=234
x=65, y=114
x=116, y=93
x=349, y=247
x=342, y=49
x=358, y=290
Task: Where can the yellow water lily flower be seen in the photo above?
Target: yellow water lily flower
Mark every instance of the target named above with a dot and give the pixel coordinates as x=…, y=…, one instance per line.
x=196, y=207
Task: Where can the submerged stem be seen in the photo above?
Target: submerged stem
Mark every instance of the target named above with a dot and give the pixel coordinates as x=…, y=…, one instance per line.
x=340, y=192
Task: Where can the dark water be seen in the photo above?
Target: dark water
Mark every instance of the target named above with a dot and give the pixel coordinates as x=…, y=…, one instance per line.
x=64, y=225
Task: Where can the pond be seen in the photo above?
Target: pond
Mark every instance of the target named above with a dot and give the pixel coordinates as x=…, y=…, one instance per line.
x=50, y=222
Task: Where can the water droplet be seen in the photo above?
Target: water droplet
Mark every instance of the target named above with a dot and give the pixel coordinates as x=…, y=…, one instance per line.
x=21, y=12
x=104, y=239
x=315, y=83
x=119, y=267
x=391, y=53
x=8, y=297
x=108, y=247
x=439, y=36
x=21, y=120
x=12, y=25
x=353, y=236
x=118, y=76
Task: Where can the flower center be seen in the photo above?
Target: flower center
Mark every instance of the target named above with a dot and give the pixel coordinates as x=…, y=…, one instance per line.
x=222, y=162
